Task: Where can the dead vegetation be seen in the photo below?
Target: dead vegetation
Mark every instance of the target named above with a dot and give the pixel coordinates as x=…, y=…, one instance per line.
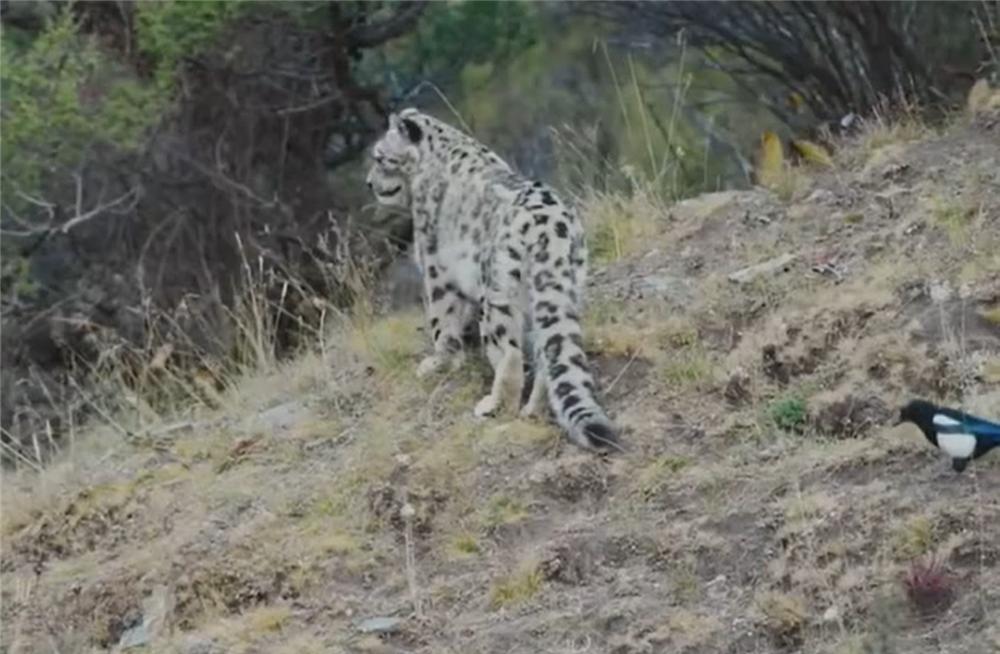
x=766, y=503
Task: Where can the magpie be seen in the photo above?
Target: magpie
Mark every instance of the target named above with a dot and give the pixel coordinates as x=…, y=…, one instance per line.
x=961, y=436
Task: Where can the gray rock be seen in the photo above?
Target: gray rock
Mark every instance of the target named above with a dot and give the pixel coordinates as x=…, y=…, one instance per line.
x=379, y=625
x=137, y=636
x=283, y=416
x=199, y=645
x=404, y=284
x=769, y=267
x=155, y=612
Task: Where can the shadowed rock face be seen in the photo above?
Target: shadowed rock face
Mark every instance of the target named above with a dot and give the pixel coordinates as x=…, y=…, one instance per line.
x=404, y=284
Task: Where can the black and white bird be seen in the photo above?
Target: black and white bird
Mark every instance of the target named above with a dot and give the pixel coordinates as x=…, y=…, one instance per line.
x=959, y=435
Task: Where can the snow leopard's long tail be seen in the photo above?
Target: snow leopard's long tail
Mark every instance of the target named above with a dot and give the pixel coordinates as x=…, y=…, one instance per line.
x=560, y=355
x=570, y=384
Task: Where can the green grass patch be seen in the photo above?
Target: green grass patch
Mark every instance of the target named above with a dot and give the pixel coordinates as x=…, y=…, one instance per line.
x=789, y=413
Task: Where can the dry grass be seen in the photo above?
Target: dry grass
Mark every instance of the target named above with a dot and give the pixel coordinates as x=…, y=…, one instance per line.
x=518, y=587
x=887, y=128
x=619, y=225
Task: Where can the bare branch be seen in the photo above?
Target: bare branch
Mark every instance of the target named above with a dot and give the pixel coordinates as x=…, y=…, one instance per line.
x=132, y=196
x=838, y=56
x=52, y=209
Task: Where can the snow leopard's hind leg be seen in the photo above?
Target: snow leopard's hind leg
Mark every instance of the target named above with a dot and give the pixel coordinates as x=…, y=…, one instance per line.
x=538, y=400
x=501, y=328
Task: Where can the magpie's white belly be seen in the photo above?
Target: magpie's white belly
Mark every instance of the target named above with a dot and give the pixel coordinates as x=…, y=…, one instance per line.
x=958, y=446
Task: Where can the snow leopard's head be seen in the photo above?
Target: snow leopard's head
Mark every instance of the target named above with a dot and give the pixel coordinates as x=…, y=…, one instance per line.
x=390, y=188
x=399, y=149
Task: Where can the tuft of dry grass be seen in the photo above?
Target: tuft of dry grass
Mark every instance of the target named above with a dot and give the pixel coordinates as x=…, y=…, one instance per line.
x=992, y=315
x=687, y=369
x=887, y=127
x=785, y=616
x=650, y=479
x=389, y=344
x=465, y=546
x=618, y=224
x=687, y=630
x=267, y=619
x=502, y=510
x=913, y=538
x=518, y=587
x=774, y=172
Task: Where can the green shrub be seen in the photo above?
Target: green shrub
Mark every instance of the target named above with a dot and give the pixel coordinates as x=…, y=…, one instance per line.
x=789, y=413
x=61, y=97
x=169, y=31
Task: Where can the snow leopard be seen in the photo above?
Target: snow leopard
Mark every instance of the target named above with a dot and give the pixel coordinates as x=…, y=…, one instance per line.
x=495, y=246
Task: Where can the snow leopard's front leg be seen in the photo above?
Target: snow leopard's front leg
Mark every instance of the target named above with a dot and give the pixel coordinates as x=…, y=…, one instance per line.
x=448, y=311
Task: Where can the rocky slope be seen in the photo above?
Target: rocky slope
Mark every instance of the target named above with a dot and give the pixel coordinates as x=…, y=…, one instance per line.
x=766, y=502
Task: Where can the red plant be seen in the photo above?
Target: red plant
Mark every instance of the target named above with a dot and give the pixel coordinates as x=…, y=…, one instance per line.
x=929, y=586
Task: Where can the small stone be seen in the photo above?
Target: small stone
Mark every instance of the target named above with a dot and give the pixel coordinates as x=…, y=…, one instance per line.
x=832, y=614
x=821, y=196
x=137, y=636
x=773, y=266
x=737, y=390
x=380, y=625
x=283, y=415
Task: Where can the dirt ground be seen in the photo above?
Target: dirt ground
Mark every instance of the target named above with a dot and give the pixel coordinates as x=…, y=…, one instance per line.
x=765, y=503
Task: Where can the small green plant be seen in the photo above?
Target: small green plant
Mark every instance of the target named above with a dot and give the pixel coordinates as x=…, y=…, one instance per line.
x=688, y=368
x=466, y=545
x=685, y=582
x=504, y=510
x=992, y=315
x=955, y=219
x=652, y=477
x=789, y=413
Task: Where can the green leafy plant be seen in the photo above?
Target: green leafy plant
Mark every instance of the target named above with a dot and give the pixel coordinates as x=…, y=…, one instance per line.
x=61, y=97
x=789, y=413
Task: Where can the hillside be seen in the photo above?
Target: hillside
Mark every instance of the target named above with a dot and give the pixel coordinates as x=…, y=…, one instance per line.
x=765, y=503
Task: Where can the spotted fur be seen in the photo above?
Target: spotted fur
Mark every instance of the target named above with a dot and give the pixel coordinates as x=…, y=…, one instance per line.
x=494, y=244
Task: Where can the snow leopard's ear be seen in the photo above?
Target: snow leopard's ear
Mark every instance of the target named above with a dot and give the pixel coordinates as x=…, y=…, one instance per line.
x=412, y=130
x=406, y=126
